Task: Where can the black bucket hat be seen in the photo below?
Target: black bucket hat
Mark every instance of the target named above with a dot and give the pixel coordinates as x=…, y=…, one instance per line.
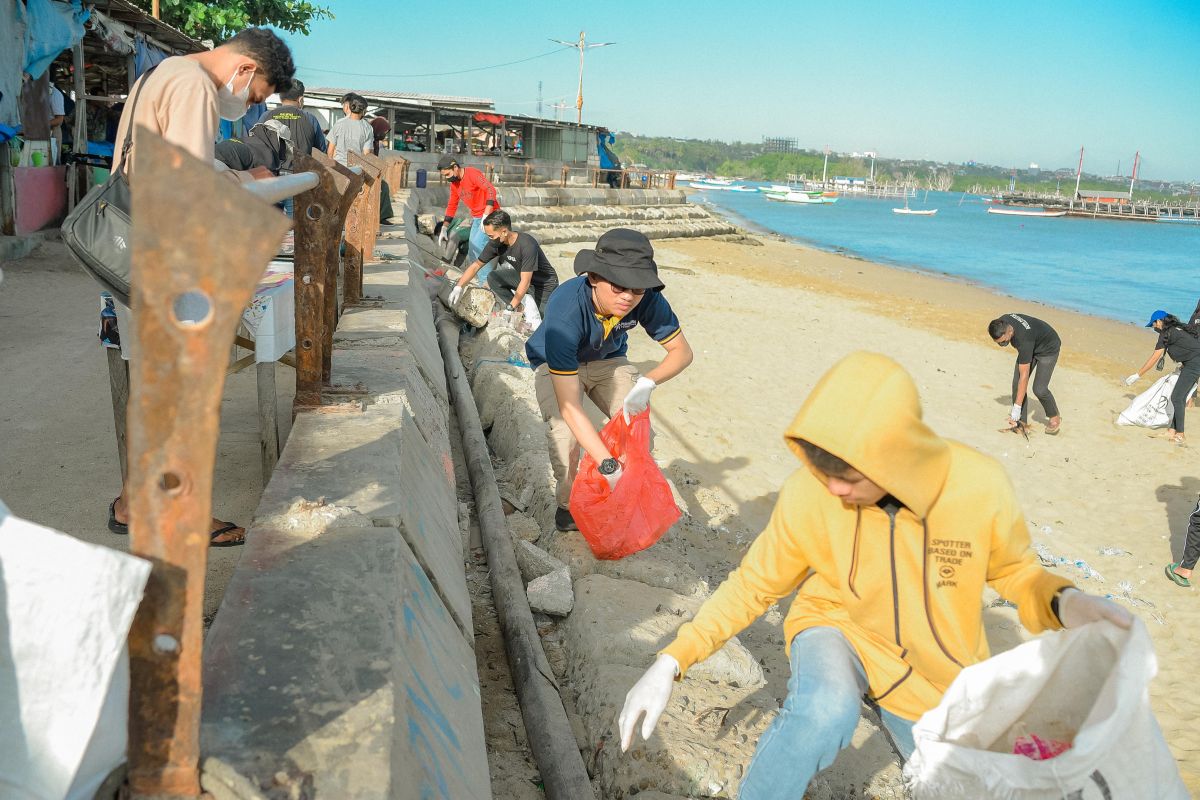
x=447, y=162
x=622, y=256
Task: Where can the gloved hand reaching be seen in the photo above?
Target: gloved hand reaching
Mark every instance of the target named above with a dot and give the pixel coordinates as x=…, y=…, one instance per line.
x=1132, y=379
x=1075, y=609
x=1015, y=414
x=455, y=295
x=444, y=236
x=648, y=696
x=639, y=397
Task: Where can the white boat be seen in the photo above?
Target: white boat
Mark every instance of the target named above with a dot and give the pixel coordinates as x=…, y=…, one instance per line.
x=1025, y=212
x=927, y=212
x=721, y=186
x=805, y=198
x=742, y=189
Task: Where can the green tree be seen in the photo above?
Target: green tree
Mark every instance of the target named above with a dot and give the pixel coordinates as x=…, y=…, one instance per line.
x=219, y=19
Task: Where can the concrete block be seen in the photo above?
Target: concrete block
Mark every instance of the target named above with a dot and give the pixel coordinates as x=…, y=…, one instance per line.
x=429, y=522
x=655, y=566
x=624, y=622
x=365, y=327
x=391, y=377
x=496, y=386
x=523, y=528
x=533, y=561
x=551, y=594
x=334, y=670
x=348, y=459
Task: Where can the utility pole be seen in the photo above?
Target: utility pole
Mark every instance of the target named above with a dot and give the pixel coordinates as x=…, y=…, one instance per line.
x=1079, y=172
x=560, y=105
x=581, y=45
x=539, y=111
x=825, y=169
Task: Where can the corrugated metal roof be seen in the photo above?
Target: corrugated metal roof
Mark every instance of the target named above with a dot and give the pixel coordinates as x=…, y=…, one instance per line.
x=453, y=101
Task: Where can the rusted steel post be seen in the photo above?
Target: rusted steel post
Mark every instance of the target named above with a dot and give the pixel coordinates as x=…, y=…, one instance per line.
x=333, y=262
x=370, y=231
x=190, y=284
x=355, y=222
x=318, y=217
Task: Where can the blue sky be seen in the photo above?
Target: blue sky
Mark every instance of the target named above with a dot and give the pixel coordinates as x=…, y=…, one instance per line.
x=1002, y=83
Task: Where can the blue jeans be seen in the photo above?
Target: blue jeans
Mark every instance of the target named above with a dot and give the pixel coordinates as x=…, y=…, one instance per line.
x=818, y=718
x=475, y=244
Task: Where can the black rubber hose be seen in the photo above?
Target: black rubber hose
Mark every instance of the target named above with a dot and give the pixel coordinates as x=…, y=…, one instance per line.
x=551, y=739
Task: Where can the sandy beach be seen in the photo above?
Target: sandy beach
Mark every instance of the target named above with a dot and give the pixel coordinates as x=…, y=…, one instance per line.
x=766, y=321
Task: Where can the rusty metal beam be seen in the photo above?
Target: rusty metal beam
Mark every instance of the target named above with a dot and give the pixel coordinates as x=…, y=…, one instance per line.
x=190, y=283
x=357, y=223
x=333, y=273
x=319, y=215
x=370, y=231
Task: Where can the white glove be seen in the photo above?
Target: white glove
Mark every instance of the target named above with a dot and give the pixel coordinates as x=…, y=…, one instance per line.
x=1076, y=609
x=638, y=397
x=648, y=696
x=455, y=295
x=1015, y=414
x=613, y=478
x=1132, y=379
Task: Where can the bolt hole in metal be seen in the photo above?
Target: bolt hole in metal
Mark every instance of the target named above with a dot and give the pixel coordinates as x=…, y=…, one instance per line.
x=170, y=483
x=192, y=309
x=165, y=643
x=314, y=211
x=306, y=344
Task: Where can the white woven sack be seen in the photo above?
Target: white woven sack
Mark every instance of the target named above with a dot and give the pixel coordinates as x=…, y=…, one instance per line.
x=1152, y=408
x=1087, y=686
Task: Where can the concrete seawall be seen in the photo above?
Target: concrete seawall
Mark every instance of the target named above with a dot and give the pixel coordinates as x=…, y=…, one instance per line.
x=341, y=662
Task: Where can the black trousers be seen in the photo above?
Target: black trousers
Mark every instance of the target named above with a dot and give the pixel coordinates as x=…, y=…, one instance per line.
x=1040, y=371
x=1191, y=546
x=504, y=280
x=1187, y=379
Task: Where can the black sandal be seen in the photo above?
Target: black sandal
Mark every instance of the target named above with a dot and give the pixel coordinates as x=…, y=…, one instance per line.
x=121, y=528
x=212, y=537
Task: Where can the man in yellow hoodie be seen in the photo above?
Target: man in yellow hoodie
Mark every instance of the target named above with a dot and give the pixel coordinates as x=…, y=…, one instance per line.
x=888, y=536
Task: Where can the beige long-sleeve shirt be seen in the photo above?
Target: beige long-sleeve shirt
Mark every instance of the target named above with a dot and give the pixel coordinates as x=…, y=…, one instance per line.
x=178, y=101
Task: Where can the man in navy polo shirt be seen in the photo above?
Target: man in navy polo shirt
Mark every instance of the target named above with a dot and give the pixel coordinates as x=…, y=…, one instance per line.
x=580, y=349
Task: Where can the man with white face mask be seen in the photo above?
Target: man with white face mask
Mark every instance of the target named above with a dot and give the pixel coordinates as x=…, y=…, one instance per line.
x=182, y=100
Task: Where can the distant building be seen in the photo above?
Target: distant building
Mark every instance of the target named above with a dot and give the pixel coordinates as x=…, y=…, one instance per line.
x=779, y=144
x=1034, y=168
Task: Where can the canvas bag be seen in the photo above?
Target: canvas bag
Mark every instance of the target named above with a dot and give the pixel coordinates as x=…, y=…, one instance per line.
x=98, y=233
x=1087, y=686
x=1153, y=408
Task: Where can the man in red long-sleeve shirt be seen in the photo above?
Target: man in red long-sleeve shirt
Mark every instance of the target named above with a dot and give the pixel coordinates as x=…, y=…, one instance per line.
x=469, y=185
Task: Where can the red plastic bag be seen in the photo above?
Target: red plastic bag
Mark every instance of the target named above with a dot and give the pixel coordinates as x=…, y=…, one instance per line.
x=620, y=522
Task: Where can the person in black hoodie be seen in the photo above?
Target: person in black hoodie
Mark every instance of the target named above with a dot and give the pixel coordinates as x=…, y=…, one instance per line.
x=1182, y=343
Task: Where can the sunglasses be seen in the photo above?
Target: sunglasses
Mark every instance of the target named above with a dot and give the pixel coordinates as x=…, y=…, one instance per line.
x=622, y=290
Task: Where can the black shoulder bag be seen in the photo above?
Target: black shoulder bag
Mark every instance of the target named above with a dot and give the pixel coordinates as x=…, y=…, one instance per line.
x=98, y=231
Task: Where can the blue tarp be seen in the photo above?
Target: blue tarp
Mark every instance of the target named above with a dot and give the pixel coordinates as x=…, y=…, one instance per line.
x=50, y=28
x=145, y=56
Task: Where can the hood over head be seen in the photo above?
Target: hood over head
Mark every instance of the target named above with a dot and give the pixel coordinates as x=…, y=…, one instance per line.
x=865, y=410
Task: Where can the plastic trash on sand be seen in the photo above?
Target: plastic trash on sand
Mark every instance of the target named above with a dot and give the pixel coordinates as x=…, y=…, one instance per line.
x=65, y=611
x=1087, y=686
x=620, y=522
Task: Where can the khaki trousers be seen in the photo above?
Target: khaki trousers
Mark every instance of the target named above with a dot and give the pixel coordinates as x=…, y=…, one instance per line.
x=606, y=382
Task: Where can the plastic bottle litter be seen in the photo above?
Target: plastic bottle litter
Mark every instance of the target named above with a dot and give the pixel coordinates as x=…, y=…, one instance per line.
x=1113, y=551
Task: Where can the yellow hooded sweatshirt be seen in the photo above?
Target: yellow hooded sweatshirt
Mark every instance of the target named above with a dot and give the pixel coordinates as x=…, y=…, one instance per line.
x=906, y=590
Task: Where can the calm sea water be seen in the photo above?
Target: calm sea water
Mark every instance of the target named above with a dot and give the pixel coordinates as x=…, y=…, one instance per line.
x=1120, y=270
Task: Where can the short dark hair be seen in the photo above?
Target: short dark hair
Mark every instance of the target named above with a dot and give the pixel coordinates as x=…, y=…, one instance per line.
x=270, y=52
x=823, y=460
x=357, y=105
x=294, y=92
x=498, y=219
x=996, y=328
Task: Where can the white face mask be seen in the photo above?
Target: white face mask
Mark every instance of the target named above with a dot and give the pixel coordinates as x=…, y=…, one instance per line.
x=232, y=106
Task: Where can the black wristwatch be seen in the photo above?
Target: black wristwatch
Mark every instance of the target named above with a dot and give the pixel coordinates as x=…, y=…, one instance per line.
x=608, y=466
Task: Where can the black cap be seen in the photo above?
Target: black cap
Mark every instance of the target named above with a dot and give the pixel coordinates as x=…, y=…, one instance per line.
x=622, y=256
x=447, y=162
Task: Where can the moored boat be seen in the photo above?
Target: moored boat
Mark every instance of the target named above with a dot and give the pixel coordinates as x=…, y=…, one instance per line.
x=1014, y=211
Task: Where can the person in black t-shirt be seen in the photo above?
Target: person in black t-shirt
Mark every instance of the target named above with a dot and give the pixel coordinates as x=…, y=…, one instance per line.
x=304, y=127
x=1037, y=346
x=523, y=275
x=1182, y=343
